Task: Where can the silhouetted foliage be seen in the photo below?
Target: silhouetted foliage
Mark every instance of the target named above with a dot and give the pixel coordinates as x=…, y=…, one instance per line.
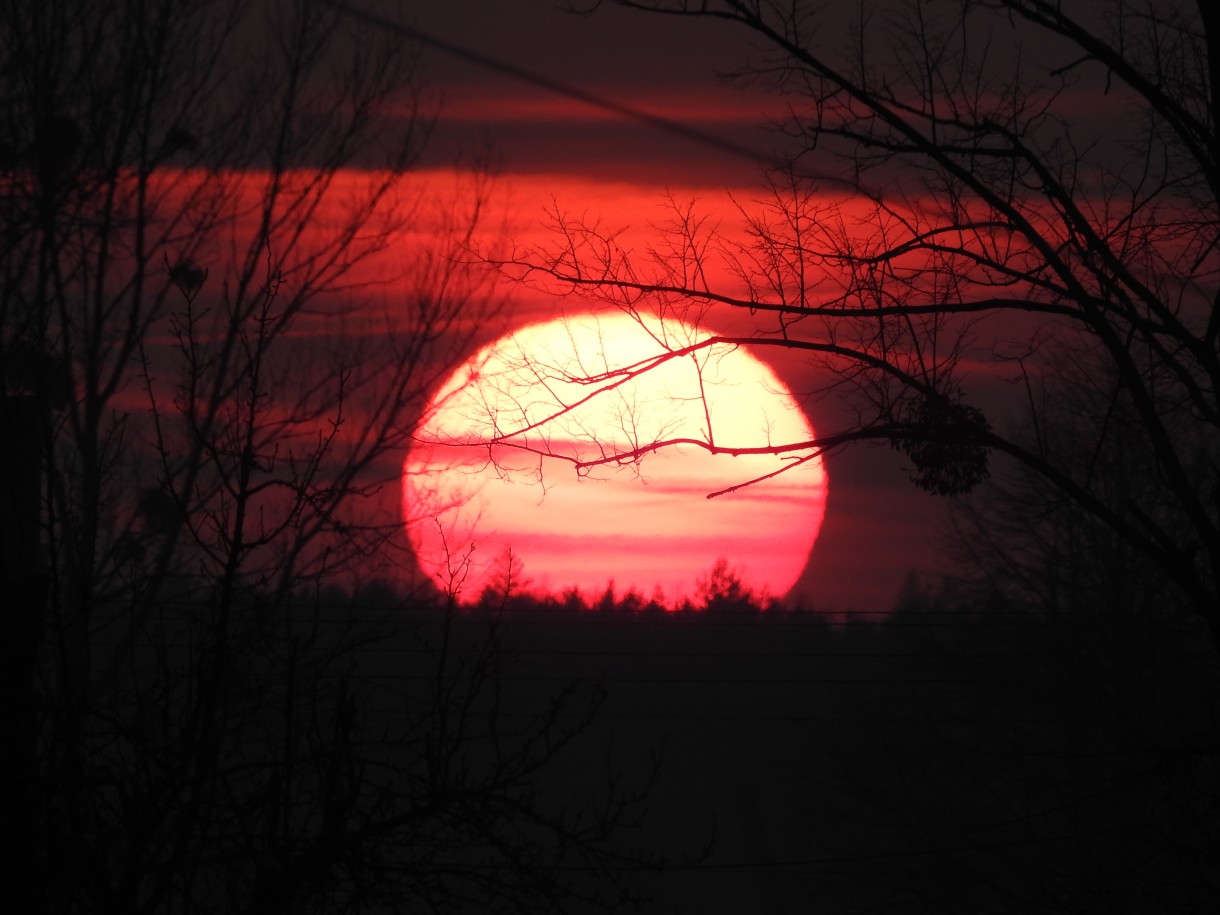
x=207, y=407
x=965, y=203
x=722, y=590
x=945, y=445
x=991, y=230
x=950, y=755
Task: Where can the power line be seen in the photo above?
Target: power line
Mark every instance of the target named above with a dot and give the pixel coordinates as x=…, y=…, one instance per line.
x=558, y=87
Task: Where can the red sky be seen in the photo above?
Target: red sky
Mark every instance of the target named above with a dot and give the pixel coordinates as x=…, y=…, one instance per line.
x=559, y=153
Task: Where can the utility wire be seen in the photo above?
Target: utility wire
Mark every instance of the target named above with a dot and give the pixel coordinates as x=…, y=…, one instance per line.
x=751, y=154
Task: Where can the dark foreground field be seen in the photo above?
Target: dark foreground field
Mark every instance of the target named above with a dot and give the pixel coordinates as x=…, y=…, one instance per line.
x=932, y=760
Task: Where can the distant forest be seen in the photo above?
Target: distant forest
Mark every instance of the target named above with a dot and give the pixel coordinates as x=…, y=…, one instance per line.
x=946, y=755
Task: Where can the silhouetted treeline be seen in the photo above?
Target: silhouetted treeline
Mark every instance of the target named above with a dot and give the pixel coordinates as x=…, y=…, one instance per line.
x=947, y=755
x=720, y=590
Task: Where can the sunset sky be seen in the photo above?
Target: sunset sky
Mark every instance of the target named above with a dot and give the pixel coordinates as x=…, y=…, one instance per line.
x=343, y=339
x=561, y=154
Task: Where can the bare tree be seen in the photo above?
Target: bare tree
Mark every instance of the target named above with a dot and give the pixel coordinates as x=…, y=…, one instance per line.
x=971, y=195
x=201, y=207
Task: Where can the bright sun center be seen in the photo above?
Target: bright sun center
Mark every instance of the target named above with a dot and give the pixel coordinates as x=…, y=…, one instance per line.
x=532, y=446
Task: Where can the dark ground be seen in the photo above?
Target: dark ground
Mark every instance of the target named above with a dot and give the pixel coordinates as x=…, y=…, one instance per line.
x=935, y=761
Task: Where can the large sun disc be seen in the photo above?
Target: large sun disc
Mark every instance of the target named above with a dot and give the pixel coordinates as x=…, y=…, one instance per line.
x=546, y=443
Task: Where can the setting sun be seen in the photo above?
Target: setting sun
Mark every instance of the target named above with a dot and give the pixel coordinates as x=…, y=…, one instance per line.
x=589, y=448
